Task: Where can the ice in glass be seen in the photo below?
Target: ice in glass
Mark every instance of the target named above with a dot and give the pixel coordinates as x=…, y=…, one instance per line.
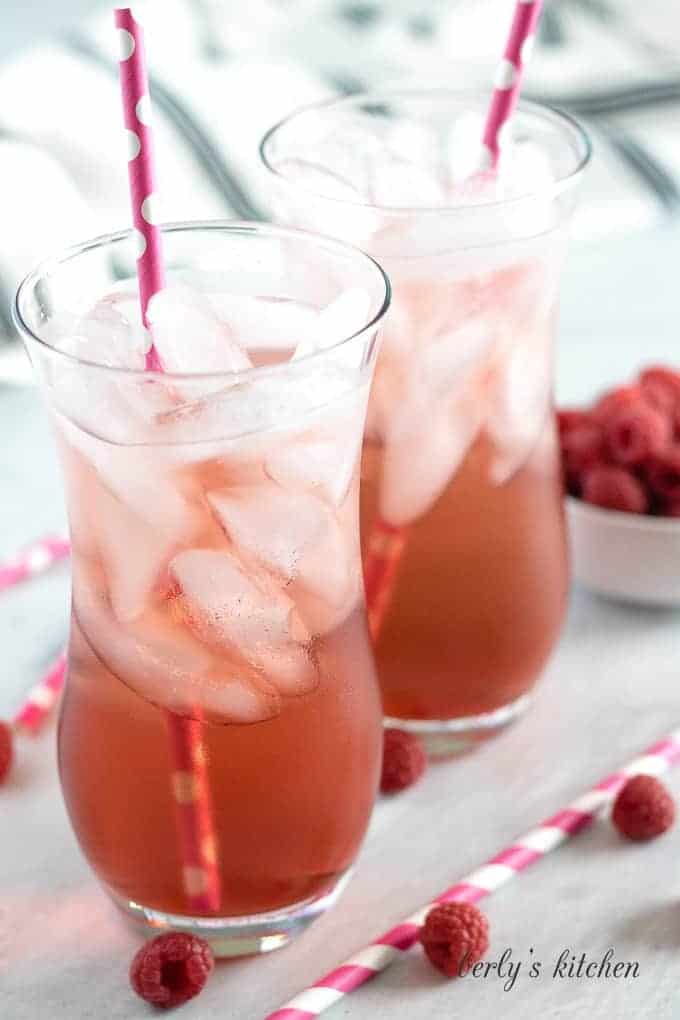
x=461, y=492
x=221, y=698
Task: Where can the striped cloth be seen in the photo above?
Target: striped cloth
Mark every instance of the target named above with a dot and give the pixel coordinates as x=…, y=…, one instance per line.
x=223, y=72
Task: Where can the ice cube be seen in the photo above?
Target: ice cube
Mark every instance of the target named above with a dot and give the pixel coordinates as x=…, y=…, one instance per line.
x=322, y=461
x=266, y=323
x=411, y=142
x=448, y=361
x=163, y=663
x=188, y=335
x=520, y=405
x=273, y=401
x=397, y=184
x=319, y=179
x=133, y=553
x=252, y=619
x=425, y=445
x=293, y=534
x=346, y=315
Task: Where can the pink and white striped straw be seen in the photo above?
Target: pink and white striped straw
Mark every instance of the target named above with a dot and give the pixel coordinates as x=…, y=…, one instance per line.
x=137, y=117
x=42, y=698
x=33, y=560
x=508, y=78
x=500, y=869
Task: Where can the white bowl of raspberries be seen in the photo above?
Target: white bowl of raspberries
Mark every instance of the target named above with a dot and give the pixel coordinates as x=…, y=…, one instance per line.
x=621, y=463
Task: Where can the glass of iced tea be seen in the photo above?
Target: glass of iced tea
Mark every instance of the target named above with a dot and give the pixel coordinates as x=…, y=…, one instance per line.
x=461, y=505
x=220, y=735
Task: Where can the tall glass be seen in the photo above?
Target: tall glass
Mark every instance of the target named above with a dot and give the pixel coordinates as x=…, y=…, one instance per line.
x=462, y=523
x=220, y=735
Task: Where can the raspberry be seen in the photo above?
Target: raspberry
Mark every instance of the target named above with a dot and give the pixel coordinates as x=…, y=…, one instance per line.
x=633, y=434
x=661, y=387
x=623, y=397
x=663, y=474
x=582, y=449
x=404, y=761
x=671, y=508
x=571, y=418
x=614, y=489
x=455, y=936
x=6, y=750
x=171, y=969
x=643, y=808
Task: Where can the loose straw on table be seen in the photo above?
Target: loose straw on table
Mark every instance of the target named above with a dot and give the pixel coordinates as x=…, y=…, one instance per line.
x=387, y=542
x=517, y=857
x=31, y=561
x=189, y=781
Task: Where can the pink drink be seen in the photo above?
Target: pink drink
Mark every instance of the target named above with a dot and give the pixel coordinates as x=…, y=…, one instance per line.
x=217, y=599
x=462, y=524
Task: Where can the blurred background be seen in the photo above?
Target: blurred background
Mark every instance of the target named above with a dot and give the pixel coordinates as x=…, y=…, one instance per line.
x=223, y=71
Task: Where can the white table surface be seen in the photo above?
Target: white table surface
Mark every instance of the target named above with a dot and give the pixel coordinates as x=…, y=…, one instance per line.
x=612, y=687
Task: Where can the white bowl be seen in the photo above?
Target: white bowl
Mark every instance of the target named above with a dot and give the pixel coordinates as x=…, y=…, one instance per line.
x=633, y=557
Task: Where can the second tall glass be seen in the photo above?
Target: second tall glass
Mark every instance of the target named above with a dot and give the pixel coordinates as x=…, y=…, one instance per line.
x=462, y=524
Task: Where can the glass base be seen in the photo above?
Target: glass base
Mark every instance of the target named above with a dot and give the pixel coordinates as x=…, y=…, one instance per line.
x=444, y=737
x=236, y=936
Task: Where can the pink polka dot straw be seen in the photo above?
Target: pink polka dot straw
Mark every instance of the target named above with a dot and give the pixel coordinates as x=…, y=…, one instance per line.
x=189, y=781
x=508, y=78
x=516, y=858
x=137, y=118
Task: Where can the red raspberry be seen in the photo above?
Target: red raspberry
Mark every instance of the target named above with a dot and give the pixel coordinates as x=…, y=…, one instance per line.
x=636, y=433
x=616, y=400
x=663, y=474
x=404, y=761
x=582, y=449
x=6, y=750
x=661, y=387
x=571, y=418
x=171, y=969
x=614, y=489
x=455, y=936
x=643, y=808
x=671, y=508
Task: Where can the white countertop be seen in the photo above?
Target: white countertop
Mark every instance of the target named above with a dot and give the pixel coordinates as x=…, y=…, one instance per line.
x=612, y=688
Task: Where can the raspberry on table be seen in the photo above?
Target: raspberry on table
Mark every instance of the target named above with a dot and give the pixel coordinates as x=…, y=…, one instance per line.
x=634, y=434
x=643, y=808
x=404, y=760
x=455, y=936
x=614, y=488
x=171, y=968
x=6, y=750
x=663, y=474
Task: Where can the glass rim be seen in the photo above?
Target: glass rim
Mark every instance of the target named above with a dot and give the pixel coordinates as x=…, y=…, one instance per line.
x=51, y=263
x=543, y=110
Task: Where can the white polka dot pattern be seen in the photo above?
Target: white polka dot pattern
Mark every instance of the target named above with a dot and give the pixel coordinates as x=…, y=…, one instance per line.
x=133, y=144
x=150, y=208
x=143, y=110
x=126, y=44
x=506, y=75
